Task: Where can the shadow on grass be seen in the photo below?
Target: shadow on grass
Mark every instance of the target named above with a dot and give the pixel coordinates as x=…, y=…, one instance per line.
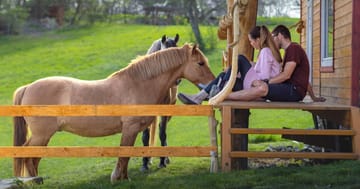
x=342, y=174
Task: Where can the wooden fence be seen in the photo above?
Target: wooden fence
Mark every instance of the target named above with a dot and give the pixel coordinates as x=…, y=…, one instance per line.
x=114, y=110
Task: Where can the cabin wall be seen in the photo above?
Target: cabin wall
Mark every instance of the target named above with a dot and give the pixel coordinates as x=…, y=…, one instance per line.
x=335, y=86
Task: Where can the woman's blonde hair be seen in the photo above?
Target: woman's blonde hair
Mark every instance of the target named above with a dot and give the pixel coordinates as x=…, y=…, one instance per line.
x=266, y=40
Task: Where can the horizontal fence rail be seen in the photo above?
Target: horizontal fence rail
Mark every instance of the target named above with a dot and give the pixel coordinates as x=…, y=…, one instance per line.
x=107, y=110
x=124, y=151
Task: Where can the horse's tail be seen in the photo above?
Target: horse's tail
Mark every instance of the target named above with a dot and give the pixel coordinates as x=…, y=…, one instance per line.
x=20, y=130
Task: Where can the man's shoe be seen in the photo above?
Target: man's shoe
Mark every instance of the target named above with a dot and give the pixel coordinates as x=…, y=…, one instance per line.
x=193, y=99
x=186, y=99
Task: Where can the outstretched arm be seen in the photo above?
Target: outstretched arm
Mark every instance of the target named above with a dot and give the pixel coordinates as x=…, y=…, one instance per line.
x=312, y=95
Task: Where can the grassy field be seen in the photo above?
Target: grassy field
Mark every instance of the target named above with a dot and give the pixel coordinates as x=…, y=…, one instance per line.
x=95, y=52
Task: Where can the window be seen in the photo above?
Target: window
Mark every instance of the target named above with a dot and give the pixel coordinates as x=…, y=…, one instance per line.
x=327, y=31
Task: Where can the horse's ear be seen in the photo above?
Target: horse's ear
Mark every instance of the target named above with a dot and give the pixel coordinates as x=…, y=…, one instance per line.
x=163, y=39
x=194, y=49
x=176, y=38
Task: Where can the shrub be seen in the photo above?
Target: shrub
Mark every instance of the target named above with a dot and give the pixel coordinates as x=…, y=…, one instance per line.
x=12, y=20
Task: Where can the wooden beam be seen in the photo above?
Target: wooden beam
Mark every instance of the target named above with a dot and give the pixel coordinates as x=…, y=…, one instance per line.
x=294, y=131
x=107, y=110
x=311, y=155
x=124, y=151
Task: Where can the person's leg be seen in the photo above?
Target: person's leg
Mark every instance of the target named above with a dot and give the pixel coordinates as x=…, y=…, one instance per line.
x=214, y=82
x=284, y=92
x=203, y=94
x=250, y=94
x=243, y=67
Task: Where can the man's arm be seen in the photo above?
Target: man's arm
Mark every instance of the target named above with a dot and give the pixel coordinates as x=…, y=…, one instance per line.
x=312, y=95
x=285, y=74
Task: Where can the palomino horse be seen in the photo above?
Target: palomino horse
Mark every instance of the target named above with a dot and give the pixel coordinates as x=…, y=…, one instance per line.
x=152, y=75
x=157, y=45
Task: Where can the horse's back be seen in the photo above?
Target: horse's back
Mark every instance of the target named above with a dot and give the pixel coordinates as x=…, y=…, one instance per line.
x=50, y=90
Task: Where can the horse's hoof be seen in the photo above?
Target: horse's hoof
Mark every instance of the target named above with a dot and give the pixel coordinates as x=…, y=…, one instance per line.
x=167, y=160
x=150, y=161
x=162, y=165
x=144, y=168
x=115, y=179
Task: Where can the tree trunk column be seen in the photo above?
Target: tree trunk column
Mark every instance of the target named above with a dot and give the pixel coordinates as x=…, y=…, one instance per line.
x=240, y=117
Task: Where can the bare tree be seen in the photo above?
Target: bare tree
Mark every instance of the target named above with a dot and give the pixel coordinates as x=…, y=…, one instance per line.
x=193, y=15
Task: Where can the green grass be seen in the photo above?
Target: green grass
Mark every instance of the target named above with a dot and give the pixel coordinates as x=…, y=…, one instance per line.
x=96, y=52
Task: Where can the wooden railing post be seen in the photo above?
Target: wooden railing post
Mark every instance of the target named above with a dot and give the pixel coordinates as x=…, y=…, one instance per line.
x=355, y=125
x=213, y=141
x=226, y=139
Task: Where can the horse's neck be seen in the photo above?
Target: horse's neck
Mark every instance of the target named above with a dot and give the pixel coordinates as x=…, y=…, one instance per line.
x=154, y=47
x=150, y=91
x=161, y=84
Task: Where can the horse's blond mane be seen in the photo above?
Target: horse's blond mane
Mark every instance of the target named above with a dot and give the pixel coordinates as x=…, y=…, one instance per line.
x=148, y=66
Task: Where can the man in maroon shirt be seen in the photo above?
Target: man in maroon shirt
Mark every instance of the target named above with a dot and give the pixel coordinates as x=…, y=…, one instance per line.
x=291, y=84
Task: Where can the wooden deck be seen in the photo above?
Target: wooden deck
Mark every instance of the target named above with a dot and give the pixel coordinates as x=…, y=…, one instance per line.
x=235, y=130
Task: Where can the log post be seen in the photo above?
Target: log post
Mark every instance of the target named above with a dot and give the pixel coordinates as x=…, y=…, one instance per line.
x=240, y=117
x=241, y=18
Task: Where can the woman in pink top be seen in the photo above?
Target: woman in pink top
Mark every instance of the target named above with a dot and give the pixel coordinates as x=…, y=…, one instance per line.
x=267, y=66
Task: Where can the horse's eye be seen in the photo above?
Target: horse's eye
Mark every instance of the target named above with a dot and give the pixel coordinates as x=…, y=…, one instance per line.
x=201, y=63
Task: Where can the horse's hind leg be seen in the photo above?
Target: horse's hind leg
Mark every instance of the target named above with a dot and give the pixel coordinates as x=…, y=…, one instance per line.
x=31, y=165
x=170, y=99
x=145, y=140
x=162, y=134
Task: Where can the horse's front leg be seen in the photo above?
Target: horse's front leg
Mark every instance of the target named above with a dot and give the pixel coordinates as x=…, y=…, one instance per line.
x=120, y=170
x=162, y=134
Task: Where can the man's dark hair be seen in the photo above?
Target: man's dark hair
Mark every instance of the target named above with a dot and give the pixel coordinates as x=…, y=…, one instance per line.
x=283, y=30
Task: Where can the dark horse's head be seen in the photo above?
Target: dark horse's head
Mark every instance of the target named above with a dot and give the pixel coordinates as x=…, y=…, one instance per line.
x=167, y=42
x=163, y=43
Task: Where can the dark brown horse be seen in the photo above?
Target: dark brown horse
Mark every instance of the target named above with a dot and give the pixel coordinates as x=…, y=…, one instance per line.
x=145, y=81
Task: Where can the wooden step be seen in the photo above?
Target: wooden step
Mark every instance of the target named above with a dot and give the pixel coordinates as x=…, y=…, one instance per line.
x=336, y=132
x=310, y=155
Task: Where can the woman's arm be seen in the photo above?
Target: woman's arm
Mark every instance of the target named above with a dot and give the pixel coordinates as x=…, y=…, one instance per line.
x=263, y=65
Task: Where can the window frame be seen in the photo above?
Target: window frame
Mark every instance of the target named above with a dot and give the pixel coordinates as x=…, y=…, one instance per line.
x=327, y=63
